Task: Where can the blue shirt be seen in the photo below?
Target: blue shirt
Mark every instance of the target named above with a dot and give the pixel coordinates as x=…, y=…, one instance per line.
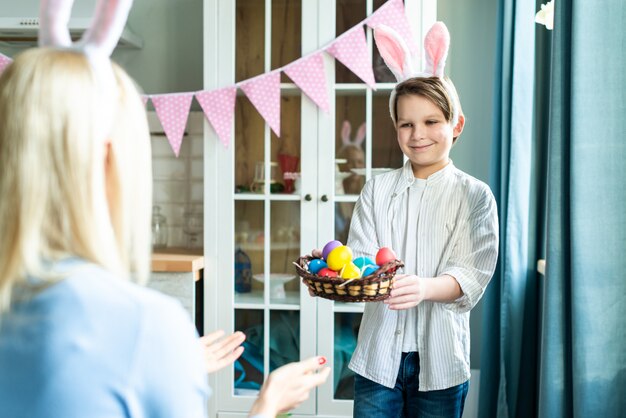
x=94, y=345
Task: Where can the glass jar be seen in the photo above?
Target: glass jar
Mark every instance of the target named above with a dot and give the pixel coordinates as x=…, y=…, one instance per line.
x=159, y=228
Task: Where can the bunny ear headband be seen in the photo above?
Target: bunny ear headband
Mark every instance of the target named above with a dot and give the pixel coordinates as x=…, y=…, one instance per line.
x=402, y=63
x=345, y=135
x=97, y=43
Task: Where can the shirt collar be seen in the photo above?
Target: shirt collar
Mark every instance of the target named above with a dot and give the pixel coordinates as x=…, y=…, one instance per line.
x=407, y=177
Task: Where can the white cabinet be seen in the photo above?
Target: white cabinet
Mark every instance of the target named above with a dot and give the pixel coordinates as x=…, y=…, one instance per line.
x=251, y=209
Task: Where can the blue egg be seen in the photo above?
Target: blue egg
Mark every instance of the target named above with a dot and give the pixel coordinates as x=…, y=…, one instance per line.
x=316, y=265
x=361, y=262
x=369, y=269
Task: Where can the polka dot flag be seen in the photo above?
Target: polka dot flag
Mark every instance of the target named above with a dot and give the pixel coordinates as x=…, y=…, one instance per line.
x=219, y=109
x=309, y=74
x=4, y=62
x=264, y=93
x=173, y=111
x=351, y=49
x=392, y=14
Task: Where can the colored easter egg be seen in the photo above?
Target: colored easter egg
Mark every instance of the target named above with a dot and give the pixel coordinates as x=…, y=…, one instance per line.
x=385, y=255
x=361, y=262
x=316, y=265
x=326, y=272
x=331, y=245
x=339, y=257
x=369, y=269
x=350, y=271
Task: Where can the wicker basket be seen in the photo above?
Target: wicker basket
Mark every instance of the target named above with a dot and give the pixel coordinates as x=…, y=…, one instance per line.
x=375, y=287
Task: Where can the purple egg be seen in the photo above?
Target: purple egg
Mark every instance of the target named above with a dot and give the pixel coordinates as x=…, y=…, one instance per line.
x=329, y=247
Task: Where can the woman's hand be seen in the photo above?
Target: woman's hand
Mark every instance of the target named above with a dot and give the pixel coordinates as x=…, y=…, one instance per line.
x=220, y=353
x=408, y=292
x=289, y=386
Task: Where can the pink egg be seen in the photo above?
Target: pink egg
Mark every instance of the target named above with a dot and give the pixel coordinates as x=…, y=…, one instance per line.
x=385, y=255
x=326, y=272
x=329, y=247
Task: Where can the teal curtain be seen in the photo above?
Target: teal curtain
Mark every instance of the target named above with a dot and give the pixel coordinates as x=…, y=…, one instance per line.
x=509, y=345
x=583, y=339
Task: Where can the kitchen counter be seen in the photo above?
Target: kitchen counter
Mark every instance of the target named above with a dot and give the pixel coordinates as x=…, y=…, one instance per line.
x=178, y=272
x=178, y=260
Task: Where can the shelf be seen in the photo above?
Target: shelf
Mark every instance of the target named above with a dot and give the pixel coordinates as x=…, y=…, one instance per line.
x=280, y=246
x=271, y=197
x=255, y=300
x=349, y=307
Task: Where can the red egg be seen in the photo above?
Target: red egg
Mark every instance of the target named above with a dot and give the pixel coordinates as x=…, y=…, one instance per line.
x=326, y=272
x=385, y=255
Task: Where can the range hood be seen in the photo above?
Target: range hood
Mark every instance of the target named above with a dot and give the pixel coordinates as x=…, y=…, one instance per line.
x=19, y=23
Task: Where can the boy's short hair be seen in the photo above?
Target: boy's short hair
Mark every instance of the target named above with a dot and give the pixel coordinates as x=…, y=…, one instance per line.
x=433, y=89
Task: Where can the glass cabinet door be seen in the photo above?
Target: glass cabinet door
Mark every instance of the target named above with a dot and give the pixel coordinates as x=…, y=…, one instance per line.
x=364, y=146
x=277, y=198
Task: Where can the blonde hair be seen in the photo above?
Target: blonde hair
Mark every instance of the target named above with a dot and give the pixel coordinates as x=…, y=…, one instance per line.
x=67, y=189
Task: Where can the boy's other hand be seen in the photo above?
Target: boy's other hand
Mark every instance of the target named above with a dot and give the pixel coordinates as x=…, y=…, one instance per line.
x=408, y=292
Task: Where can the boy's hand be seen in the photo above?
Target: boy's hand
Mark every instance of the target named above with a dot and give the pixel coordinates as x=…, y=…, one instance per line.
x=221, y=353
x=408, y=292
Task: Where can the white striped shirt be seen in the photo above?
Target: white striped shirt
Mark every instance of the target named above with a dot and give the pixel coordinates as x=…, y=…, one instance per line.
x=456, y=235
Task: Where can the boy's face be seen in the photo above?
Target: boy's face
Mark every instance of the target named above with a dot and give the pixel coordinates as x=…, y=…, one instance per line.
x=424, y=135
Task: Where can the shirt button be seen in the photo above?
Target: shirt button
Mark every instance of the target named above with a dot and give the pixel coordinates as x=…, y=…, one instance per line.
x=398, y=332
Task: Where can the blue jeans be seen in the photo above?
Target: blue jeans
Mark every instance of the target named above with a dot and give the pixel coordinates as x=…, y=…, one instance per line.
x=405, y=400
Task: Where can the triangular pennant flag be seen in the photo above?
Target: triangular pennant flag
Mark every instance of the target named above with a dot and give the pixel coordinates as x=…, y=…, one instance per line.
x=351, y=49
x=173, y=111
x=264, y=93
x=309, y=74
x=145, y=99
x=219, y=109
x=393, y=15
x=4, y=62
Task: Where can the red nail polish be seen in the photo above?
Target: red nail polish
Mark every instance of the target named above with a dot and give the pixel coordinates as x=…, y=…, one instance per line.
x=322, y=360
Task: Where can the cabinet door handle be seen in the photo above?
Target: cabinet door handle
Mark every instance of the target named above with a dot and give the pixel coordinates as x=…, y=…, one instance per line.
x=324, y=198
x=308, y=197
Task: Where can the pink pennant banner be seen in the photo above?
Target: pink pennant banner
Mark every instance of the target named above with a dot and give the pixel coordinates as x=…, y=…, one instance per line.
x=309, y=74
x=173, y=111
x=219, y=108
x=392, y=14
x=351, y=49
x=4, y=62
x=264, y=93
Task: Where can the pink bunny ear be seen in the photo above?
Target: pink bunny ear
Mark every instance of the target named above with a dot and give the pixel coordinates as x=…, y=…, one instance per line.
x=107, y=26
x=360, y=135
x=54, y=15
x=102, y=36
x=394, y=51
x=346, y=128
x=436, y=45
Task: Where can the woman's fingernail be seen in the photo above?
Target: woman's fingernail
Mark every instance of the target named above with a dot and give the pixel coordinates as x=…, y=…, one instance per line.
x=322, y=360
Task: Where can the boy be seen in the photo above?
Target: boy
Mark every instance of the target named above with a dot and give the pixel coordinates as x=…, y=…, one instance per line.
x=412, y=356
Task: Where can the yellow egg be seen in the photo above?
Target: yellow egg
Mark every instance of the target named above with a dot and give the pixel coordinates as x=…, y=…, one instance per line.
x=350, y=271
x=339, y=257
